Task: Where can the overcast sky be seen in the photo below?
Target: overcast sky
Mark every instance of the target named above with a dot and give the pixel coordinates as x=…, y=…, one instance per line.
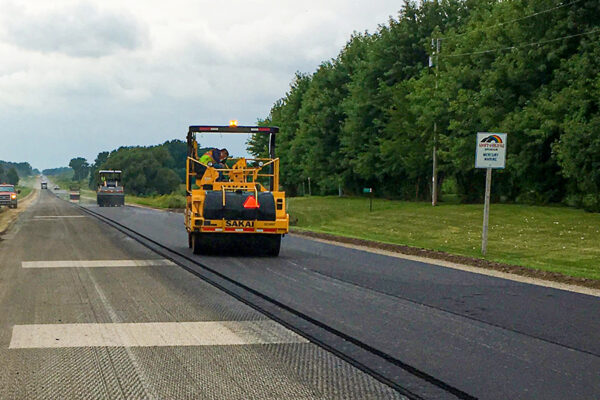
x=80, y=77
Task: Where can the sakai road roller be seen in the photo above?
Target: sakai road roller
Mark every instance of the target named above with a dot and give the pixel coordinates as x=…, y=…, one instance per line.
x=234, y=205
x=110, y=192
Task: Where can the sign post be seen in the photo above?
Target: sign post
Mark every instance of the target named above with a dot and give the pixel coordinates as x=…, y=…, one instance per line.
x=486, y=210
x=369, y=190
x=490, y=154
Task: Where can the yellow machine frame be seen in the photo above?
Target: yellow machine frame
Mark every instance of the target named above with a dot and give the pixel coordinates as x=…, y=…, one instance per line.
x=246, y=175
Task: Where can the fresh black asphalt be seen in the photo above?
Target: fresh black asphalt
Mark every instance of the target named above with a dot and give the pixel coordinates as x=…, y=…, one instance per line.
x=490, y=337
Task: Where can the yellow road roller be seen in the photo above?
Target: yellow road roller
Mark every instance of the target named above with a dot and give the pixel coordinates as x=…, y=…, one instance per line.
x=234, y=205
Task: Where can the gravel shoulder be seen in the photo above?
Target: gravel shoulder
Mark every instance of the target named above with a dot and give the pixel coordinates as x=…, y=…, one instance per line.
x=9, y=215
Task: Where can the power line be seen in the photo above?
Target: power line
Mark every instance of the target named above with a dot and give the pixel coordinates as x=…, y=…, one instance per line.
x=521, y=45
x=513, y=20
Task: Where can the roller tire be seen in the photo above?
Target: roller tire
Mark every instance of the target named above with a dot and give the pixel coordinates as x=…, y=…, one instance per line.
x=272, y=245
x=198, y=244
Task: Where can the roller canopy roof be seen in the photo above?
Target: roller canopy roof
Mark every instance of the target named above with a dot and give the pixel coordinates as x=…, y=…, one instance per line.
x=232, y=129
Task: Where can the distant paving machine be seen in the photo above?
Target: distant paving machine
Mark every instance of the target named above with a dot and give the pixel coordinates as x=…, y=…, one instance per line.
x=110, y=192
x=230, y=208
x=74, y=193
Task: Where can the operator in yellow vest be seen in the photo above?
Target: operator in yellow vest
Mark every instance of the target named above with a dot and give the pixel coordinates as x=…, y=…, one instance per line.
x=215, y=158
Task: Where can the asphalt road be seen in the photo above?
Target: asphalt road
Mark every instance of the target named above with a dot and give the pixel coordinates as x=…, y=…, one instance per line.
x=88, y=313
x=490, y=337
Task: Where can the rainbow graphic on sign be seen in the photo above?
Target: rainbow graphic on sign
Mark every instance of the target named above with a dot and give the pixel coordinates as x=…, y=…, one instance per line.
x=492, y=139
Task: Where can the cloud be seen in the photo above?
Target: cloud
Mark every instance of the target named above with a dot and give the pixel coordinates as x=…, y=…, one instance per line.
x=79, y=31
x=79, y=79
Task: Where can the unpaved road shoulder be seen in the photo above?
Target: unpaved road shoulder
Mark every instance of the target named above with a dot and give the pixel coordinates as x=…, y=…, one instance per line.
x=9, y=215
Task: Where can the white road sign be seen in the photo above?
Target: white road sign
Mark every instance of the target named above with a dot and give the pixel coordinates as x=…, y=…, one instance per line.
x=491, y=150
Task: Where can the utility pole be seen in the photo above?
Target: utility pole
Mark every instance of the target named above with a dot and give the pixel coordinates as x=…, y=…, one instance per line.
x=434, y=184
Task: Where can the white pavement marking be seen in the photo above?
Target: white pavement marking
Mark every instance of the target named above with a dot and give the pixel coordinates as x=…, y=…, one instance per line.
x=152, y=334
x=96, y=263
x=58, y=216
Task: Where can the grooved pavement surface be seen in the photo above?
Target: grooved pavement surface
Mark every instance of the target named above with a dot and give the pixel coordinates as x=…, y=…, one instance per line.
x=140, y=294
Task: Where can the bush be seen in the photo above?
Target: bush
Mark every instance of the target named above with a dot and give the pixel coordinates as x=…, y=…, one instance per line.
x=175, y=201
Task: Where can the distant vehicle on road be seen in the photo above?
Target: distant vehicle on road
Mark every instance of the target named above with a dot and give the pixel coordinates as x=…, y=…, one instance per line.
x=8, y=196
x=110, y=192
x=44, y=185
x=56, y=187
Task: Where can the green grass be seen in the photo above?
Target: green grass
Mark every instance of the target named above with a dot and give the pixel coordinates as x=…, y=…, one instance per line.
x=26, y=185
x=557, y=239
x=86, y=192
x=25, y=190
x=66, y=183
x=174, y=200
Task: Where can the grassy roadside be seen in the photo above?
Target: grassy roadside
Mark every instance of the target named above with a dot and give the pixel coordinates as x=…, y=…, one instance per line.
x=555, y=239
x=25, y=190
x=65, y=183
x=167, y=201
x=87, y=193
x=26, y=186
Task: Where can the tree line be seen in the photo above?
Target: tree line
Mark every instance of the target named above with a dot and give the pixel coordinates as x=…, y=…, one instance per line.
x=56, y=171
x=147, y=170
x=11, y=172
x=529, y=68
x=9, y=176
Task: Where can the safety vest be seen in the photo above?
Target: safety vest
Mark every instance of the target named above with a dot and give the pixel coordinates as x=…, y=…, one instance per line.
x=208, y=157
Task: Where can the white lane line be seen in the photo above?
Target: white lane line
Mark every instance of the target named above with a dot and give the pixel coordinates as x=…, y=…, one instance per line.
x=53, y=220
x=96, y=263
x=58, y=216
x=152, y=334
